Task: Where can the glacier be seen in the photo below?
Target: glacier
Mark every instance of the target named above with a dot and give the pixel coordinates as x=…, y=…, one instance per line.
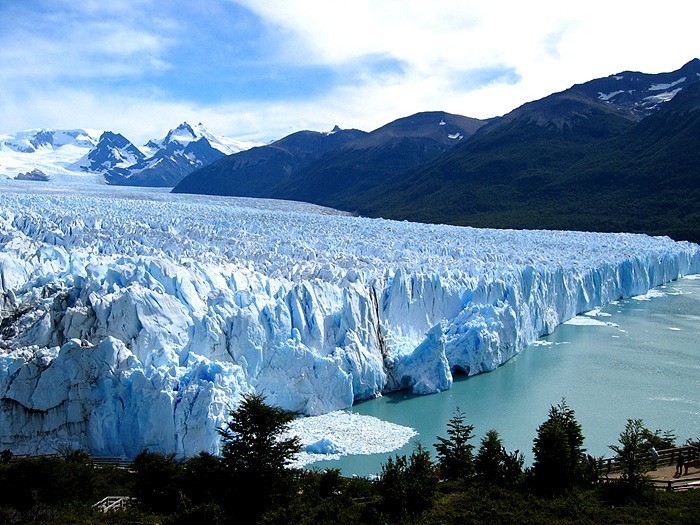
x=137, y=319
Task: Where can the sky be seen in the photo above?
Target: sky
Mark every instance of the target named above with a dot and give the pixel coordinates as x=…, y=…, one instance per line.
x=261, y=69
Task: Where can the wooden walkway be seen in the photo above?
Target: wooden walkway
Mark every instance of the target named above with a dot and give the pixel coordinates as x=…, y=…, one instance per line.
x=664, y=477
x=111, y=503
x=97, y=461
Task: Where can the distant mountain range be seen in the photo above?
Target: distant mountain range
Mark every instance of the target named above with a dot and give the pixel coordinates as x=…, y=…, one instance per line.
x=619, y=153
x=64, y=155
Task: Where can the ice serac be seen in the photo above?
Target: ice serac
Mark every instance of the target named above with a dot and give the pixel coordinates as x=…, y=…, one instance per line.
x=140, y=321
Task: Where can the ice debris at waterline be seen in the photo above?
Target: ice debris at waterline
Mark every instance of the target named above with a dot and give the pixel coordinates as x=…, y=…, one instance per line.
x=337, y=434
x=132, y=322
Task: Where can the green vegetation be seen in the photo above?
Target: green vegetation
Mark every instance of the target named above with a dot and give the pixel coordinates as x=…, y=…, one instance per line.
x=455, y=458
x=635, y=456
x=495, y=466
x=597, y=171
x=250, y=483
x=559, y=452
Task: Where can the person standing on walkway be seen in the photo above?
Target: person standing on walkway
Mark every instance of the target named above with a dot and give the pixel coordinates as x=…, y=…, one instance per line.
x=680, y=463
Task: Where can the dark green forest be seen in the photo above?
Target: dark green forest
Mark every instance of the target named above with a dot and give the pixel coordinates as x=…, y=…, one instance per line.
x=465, y=481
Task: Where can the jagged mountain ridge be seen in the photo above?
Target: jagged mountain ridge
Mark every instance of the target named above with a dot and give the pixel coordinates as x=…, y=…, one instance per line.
x=113, y=150
x=95, y=156
x=183, y=150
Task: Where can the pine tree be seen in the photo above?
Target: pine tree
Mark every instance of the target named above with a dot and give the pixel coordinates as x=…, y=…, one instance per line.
x=634, y=453
x=559, y=452
x=494, y=465
x=256, y=457
x=455, y=457
x=407, y=486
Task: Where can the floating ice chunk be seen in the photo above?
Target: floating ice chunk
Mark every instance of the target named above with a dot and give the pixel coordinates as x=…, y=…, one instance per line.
x=581, y=320
x=325, y=445
x=597, y=313
x=651, y=294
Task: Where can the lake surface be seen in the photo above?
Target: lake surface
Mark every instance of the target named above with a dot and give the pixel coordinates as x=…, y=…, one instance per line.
x=640, y=359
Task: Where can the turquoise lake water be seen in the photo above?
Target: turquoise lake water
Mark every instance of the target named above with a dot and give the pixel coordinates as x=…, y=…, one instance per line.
x=645, y=363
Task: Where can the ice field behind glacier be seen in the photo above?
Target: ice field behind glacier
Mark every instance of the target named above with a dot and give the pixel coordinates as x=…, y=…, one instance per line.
x=136, y=319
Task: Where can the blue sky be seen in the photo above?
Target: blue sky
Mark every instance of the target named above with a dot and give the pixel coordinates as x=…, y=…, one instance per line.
x=265, y=68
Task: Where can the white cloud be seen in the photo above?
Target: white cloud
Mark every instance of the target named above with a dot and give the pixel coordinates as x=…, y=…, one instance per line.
x=390, y=58
x=105, y=48
x=549, y=44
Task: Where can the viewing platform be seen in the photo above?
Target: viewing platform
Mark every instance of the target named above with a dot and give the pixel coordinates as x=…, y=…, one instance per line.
x=664, y=476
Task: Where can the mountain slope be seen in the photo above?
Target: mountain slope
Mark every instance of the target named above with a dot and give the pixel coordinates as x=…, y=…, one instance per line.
x=91, y=156
x=52, y=151
x=504, y=161
x=649, y=178
x=257, y=172
x=362, y=164
x=335, y=168
x=568, y=161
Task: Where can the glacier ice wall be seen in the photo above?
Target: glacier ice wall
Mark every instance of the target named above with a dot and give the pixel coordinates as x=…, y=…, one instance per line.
x=132, y=321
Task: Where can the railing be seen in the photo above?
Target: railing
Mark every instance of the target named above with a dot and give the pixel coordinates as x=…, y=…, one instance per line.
x=110, y=503
x=676, y=485
x=665, y=457
x=97, y=461
x=102, y=461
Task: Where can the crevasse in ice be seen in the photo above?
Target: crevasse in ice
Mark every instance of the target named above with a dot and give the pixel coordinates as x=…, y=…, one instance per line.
x=134, y=321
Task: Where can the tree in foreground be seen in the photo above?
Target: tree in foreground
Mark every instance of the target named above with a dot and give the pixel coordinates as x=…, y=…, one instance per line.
x=256, y=456
x=455, y=457
x=156, y=479
x=559, y=452
x=494, y=465
x=634, y=452
x=407, y=486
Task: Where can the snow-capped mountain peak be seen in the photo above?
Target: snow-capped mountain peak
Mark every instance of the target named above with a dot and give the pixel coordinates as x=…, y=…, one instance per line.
x=113, y=150
x=183, y=134
x=79, y=154
x=178, y=138
x=54, y=152
x=32, y=140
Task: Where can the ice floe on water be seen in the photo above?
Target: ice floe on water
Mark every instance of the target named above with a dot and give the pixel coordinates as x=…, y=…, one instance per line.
x=336, y=434
x=582, y=320
x=597, y=313
x=651, y=294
